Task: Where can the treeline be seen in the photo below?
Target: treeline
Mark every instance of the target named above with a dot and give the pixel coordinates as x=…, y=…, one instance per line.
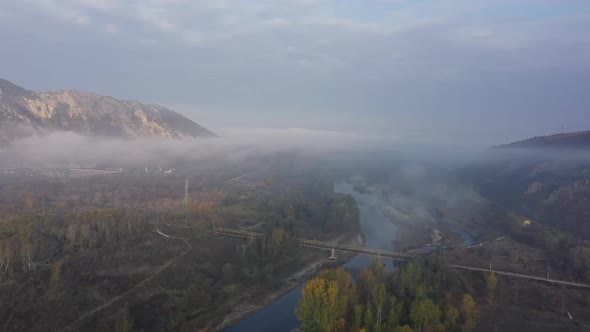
x=339, y=214
x=93, y=228
x=408, y=299
x=27, y=241
x=301, y=217
x=565, y=252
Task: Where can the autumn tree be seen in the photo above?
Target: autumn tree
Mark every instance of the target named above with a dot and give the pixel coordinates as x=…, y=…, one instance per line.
x=124, y=322
x=367, y=280
x=378, y=268
x=322, y=306
x=425, y=314
x=378, y=296
x=203, y=209
x=29, y=201
x=358, y=318
x=7, y=254
x=451, y=315
x=404, y=328
x=370, y=323
x=276, y=240
x=469, y=312
x=343, y=279
x=411, y=277
x=491, y=283
x=56, y=270
x=395, y=313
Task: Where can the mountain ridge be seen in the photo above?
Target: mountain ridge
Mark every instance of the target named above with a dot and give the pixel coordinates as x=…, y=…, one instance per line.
x=24, y=111
x=573, y=140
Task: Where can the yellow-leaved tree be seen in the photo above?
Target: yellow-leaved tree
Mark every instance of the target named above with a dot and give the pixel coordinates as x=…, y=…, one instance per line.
x=322, y=306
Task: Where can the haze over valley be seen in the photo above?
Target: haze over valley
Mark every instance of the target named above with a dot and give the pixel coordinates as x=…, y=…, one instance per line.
x=311, y=166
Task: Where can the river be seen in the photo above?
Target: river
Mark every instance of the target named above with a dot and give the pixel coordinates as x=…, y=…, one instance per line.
x=379, y=233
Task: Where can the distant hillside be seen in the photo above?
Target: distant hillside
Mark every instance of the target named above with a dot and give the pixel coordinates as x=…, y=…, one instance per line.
x=577, y=140
x=23, y=111
x=551, y=188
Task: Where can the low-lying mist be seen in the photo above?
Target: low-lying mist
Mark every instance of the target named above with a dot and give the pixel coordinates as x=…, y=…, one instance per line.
x=67, y=147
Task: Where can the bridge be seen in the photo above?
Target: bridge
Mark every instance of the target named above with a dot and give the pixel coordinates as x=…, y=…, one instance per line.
x=324, y=245
x=238, y=233
x=232, y=232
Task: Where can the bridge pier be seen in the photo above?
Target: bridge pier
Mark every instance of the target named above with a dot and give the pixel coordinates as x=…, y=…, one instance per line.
x=332, y=255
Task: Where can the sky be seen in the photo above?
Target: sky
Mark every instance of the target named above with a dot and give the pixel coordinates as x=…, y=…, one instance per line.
x=468, y=72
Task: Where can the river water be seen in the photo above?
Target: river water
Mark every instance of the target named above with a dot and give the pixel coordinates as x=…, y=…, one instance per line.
x=379, y=233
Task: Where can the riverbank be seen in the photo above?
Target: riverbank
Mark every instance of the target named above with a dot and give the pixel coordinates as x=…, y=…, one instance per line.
x=245, y=306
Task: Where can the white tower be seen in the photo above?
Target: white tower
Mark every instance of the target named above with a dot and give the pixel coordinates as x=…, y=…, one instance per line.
x=185, y=200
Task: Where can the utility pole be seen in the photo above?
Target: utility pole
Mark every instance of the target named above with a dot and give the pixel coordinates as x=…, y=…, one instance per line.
x=562, y=302
x=490, y=263
x=547, y=269
x=185, y=201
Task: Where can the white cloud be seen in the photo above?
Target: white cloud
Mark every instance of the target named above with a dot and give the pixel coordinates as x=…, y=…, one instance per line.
x=111, y=28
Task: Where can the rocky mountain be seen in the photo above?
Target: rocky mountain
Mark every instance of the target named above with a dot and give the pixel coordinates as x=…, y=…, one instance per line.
x=23, y=112
x=577, y=140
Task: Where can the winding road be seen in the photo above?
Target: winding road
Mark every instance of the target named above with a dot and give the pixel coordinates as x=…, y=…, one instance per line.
x=158, y=270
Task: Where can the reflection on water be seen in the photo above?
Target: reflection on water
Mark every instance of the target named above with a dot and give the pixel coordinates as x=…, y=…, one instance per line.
x=378, y=231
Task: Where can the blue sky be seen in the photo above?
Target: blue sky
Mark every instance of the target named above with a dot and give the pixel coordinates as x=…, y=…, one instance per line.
x=469, y=72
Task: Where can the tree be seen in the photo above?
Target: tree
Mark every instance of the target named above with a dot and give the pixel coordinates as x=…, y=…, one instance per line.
x=395, y=313
x=358, y=317
x=227, y=271
x=343, y=279
x=56, y=269
x=424, y=314
x=203, y=209
x=322, y=306
x=27, y=253
x=29, y=201
x=6, y=257
x=370, y=320
x=491, y=283
x=469, y=312
x=378, y=299
x=404, y=328
x=124, y=322
x=276, y=240
x=451, y=316
x=378, y=268
x=411, y=276
x=367, y=280
x=196, y=297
